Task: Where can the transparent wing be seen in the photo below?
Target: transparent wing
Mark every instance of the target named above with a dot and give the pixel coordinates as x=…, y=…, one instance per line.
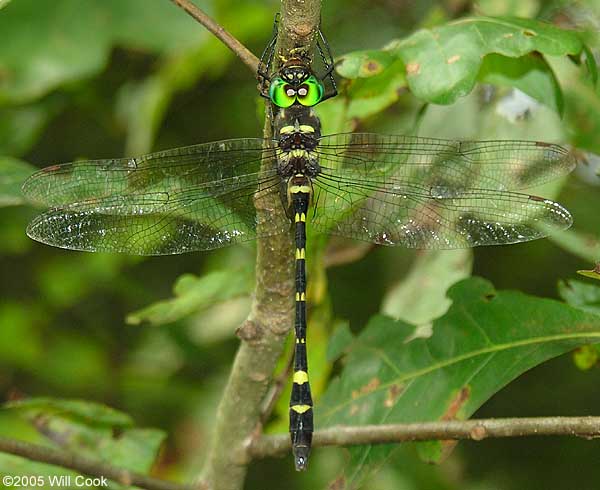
x=437, y=217
x=198, y=166
x=388, y=160
x=160, y=224
x=181, y=200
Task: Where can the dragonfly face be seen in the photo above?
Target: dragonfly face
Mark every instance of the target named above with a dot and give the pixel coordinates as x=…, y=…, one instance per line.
x=295, y=83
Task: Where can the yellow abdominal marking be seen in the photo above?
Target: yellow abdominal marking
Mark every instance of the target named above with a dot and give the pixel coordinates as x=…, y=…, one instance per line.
x=300, y=377
x=300, y=297
x=301, y=341
x=300, y=217
x=300, y=408
x=300, y=254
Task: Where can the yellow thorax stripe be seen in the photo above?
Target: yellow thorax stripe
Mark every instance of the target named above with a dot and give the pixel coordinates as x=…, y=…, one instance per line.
x=300, y=408
x=300, y=254
x=304, y=128
x=295, y=189
x=300, y=377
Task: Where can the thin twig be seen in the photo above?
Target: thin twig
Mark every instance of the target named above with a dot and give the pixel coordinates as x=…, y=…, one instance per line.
x=86, y=466
x=225, y=37
x=475, y=430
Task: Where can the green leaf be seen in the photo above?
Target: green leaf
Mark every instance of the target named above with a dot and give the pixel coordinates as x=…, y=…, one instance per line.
x=580, y=244
x=20, y=126
x=364, y=64
x=84, y=411
x=17, y=466
x=580, y=294
x=93, y=430
x=73, y=39
x=485, y=340
x=3, y=3
x=13, y=173
x=340, y=339
x=519, y=8
x=421, y=296
x=443, y=63
x=193, y=294
x=530, y=74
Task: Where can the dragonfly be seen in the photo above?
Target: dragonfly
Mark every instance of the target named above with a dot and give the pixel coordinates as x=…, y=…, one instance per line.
x=393, y=190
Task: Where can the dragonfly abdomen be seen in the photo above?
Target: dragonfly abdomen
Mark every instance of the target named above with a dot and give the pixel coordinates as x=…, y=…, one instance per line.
x=301, y=404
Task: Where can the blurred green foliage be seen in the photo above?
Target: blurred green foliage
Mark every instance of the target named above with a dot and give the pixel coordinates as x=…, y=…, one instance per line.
x=81, y=78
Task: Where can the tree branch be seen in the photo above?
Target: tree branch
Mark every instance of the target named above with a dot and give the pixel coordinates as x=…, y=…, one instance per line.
x=474, y=429
x=271, y=318
x=225, y=37
x=86, y=466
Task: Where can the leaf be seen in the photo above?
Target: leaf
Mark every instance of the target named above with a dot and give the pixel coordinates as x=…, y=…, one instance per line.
x=20, y=126
x=13, y=173
x=3, y=3
x=530, y=73
x=580, y=295
x=443, y=63
x=73, y=39
x=580, y=244
x=193, y=294
x=364, y=64
x=485, y=340
x=421, y=296
x=84, y=411
x=17, y=466
x=92, y=430
x=340, y=339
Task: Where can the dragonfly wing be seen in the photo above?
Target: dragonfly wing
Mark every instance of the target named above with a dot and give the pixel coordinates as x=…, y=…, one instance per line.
x=193, y=198
x=389, y=159
x=198, y=166
x=162, y=223
x=415, y=216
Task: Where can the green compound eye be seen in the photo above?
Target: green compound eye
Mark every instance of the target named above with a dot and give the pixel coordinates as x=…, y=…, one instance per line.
x=281, y=93
x=310, y=92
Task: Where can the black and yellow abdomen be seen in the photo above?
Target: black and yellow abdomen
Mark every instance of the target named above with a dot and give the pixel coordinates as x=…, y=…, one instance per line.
x=301, y=404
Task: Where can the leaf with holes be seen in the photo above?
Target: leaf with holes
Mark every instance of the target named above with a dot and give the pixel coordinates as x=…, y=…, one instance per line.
x=444, y=63
x=485, y=340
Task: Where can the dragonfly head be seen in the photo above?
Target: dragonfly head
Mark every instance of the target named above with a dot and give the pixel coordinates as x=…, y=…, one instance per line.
x=295, y=83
